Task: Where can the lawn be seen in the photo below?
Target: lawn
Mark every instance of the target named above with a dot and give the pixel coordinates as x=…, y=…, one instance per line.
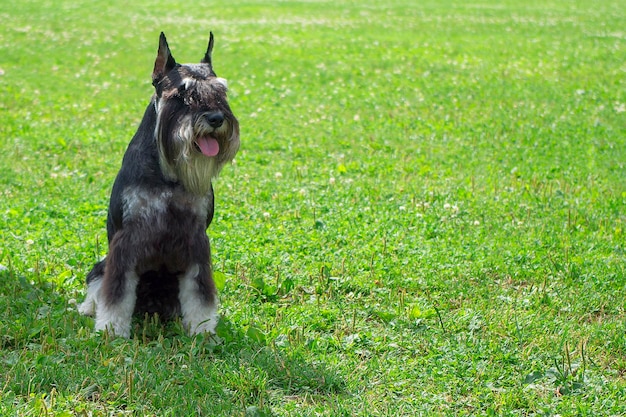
x=427, y=215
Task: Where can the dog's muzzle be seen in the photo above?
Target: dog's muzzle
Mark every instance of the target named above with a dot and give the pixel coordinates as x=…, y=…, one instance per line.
x=206, y=140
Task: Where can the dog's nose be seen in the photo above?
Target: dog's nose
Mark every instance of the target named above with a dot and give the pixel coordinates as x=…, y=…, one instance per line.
x=215, y=119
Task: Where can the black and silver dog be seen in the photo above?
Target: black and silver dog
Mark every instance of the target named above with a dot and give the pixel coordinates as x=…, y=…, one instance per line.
x=161, y=204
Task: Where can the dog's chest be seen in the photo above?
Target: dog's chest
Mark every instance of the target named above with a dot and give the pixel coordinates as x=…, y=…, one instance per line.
x=161, y=210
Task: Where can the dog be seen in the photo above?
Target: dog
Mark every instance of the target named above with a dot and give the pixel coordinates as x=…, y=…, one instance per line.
x=159, y=259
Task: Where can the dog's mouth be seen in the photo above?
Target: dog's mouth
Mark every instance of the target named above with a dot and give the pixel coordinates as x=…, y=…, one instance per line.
x=207, y=145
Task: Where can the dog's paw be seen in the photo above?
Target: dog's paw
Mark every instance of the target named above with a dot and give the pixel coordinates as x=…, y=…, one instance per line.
x=207, y=326
x=114, y=329
x=115, y=321
x=87, y=307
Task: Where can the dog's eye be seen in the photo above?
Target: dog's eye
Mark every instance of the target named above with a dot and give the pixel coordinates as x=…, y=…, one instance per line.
x=181, y=89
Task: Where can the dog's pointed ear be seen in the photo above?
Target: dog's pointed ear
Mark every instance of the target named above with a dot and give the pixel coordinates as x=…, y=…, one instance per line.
x=209, y=50
x=164, y=62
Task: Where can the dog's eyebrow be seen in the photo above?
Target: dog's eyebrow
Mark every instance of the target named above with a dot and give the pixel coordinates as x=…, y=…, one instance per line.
x=222, y=81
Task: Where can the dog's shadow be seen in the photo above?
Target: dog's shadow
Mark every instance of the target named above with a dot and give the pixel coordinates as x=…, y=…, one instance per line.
x=238, y=366
x=287, y=368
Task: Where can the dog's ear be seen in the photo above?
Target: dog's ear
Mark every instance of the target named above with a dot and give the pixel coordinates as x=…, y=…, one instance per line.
x=164, y=62
x=207, y=55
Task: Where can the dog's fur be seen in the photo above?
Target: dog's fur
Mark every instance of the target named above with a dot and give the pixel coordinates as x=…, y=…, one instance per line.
x=161, y=204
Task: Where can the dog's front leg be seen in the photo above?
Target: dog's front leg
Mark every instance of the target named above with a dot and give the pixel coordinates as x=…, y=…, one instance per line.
x=118, y=292
x=198, y=300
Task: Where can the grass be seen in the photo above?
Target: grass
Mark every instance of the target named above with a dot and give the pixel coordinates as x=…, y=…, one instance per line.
x=427, y=215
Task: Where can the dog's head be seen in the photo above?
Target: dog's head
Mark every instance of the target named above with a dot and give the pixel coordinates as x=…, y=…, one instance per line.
x=196, y=131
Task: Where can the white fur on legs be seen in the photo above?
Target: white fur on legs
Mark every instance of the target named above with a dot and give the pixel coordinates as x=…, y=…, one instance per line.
x=198, y=315
x=88, y=307
x=116, y=318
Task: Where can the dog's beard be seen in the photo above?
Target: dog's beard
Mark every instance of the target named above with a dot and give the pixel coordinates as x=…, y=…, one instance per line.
x=181, y=158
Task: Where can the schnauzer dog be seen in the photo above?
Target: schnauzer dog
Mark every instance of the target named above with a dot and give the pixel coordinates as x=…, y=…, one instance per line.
x=159, y=258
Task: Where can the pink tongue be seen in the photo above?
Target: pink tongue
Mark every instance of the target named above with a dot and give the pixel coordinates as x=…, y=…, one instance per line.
x=208, y=146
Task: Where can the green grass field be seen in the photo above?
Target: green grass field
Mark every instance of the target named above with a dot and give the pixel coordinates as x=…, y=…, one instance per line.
x=427, y=216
